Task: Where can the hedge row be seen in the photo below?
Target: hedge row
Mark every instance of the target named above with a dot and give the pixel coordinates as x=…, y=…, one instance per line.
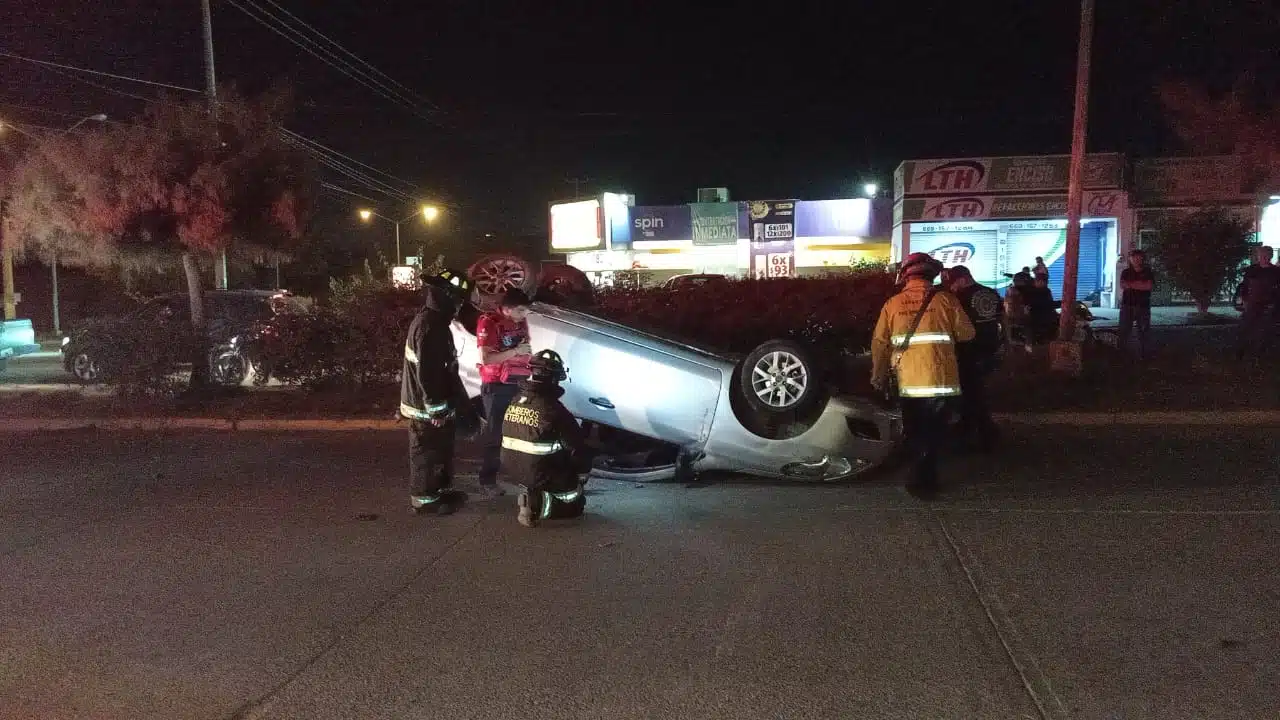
x=356, y=338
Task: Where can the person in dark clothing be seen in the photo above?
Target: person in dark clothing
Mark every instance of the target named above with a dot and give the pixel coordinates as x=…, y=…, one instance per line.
x=1136, y=282
x=543, y=445
x=1259, y=302
x=1042, y=309
x=431, y=394
x=978, y=357
x=1041, y=270
x=1017, y=316
x=503, y=337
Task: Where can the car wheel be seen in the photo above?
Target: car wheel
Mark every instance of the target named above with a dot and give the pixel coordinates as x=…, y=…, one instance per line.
x=229, y=369
x=495, y=274
x=779, y=377
x=85, y=368
x=561, y=284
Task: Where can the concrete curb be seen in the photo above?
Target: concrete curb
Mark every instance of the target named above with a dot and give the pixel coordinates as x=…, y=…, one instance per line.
x=1241, y=418
x=1153, y=418
x=29, y=425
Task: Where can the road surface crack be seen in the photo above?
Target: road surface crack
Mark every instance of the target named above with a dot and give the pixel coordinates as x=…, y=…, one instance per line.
x=340, y=633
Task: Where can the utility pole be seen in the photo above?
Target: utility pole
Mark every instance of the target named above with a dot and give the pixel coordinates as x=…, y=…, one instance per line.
x=1066, y=354
x=211, y=90
x=57, y=314
x=10, y=297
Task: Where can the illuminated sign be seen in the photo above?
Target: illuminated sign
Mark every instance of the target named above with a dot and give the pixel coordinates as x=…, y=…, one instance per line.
x=577, y=226
x=405, y=276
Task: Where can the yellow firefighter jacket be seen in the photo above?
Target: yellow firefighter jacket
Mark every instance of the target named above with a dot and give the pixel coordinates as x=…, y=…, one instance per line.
x=927, y=367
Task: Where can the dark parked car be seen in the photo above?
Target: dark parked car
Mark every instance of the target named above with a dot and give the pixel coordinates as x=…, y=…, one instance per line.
x=235, y=322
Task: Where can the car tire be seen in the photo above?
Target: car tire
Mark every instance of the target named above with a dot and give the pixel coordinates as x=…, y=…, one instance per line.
x=85, y=368
x=493, y=275
x=560, y=284
x=779, y=378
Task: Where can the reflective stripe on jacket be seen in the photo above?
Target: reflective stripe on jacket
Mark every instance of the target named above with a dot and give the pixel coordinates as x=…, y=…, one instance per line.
x=927, y=366
x=531, y=448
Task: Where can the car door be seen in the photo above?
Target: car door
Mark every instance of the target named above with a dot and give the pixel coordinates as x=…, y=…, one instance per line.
x=631, y=383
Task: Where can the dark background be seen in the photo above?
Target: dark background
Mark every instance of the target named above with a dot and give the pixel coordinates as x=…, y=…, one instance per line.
x=798, y=99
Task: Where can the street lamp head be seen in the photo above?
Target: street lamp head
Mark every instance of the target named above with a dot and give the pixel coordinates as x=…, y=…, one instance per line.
x=366, y=214
x=870, y=189
x=430, y=212
x=100, y=117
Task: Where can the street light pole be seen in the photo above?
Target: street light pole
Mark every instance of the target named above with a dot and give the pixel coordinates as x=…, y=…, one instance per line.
x=428, y=213
x=57, y=309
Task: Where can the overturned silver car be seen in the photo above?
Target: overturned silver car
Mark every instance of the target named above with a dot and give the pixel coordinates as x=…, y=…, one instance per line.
x=765, y=414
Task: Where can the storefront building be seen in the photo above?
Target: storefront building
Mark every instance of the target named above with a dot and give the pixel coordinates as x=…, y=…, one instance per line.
x=774, y=238
x=1166, y=189
x=996, y=215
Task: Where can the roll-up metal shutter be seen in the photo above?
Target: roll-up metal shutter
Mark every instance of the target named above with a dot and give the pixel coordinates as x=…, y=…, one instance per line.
x=1025, y=245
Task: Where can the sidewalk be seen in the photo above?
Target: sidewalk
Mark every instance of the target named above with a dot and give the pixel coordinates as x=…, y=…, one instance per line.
x=1174, y=316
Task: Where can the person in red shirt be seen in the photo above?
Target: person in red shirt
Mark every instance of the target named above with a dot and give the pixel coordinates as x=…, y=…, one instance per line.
x=503, y=337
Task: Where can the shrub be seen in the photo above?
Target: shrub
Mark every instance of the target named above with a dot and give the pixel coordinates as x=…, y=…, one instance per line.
x=354, y=339
x=1203, y=253
x=136, y=365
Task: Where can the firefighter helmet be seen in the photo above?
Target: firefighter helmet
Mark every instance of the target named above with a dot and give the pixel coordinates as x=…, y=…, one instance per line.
x=547, y=367
x=451, y=281
x=920, y=264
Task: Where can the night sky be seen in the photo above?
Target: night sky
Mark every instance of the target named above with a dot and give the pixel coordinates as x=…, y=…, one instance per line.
x=797, y=99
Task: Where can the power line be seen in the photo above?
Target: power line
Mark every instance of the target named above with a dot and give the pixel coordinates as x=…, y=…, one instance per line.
x=336, y=188
x=324, y=148
x=338, y=64
x=108, y=88
x=336, y=164
x=46, y=63
x=352, y=55
x=363, y=180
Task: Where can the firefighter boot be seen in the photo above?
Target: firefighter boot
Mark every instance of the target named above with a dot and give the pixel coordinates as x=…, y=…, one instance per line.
x=528, y=516
x=445, y=502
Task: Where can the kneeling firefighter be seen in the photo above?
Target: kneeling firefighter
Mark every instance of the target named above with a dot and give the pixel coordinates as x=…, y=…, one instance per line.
x=543, y=447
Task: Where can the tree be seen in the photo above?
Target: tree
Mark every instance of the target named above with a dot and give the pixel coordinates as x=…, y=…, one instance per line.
x=170, y=186
x=1203, y=253
x=1236, y=123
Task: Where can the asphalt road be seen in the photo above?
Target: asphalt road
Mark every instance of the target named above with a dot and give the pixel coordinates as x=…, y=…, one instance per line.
x=1129, y=575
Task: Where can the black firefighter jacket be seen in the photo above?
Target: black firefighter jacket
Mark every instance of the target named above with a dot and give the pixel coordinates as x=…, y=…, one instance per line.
x=430, y=388
x=539, y=439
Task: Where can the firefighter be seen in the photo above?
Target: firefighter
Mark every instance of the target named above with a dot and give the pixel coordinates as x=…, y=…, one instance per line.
x=978, y=357
x=431, y=393
x=543, y=445
x=915, y=342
